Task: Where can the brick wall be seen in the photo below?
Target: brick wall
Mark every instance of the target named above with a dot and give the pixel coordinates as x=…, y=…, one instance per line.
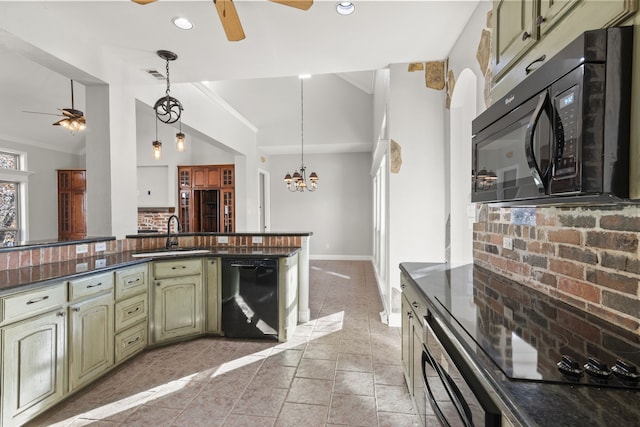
x=154, y=221
x=587, y=257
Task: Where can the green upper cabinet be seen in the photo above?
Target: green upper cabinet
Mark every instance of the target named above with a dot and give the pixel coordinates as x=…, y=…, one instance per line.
x=551, y=12
x=514, y=32
x=526, y=33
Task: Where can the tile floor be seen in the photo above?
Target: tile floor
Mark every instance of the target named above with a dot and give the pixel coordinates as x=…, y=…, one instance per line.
x=340, y=369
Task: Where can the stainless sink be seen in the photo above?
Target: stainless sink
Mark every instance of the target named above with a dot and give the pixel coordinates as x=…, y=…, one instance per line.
x=170, y=252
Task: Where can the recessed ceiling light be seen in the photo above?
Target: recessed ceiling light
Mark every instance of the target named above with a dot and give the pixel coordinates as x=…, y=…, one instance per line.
x=182, y=23
x=345, y=8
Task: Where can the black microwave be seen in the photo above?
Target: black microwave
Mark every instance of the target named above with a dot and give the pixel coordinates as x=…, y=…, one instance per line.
x=562, y=134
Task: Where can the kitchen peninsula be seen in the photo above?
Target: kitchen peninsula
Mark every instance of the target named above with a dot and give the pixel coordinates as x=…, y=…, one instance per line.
x=78, y=309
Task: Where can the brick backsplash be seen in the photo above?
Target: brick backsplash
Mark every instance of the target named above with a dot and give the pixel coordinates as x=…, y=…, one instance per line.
x=585, y=256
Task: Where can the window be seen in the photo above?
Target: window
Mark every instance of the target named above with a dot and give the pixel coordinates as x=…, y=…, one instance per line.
x=9, y=199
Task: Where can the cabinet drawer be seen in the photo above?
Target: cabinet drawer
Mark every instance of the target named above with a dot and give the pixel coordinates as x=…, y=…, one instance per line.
x=130, y=342
x=95, y=284
x=131, y=311
x=28, y=304
x=413, y=297
x=177, y=268
x=131, y=281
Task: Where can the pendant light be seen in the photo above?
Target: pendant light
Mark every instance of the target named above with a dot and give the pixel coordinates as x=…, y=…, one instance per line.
x=298, y=181
x=157, y=145
x=180, y=141
x=168, y=109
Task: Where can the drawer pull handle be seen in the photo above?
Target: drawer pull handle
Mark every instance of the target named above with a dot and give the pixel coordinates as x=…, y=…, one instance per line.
x=35, y=300
x=415, y=304
x=179, y=266
x=130, y=282
x=76, y=309
x=402, y=286
x=133, y=311
x=133, y=341
x=94, y=286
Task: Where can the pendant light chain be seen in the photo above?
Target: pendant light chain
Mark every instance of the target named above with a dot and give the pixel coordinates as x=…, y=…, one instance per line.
x=168, y=80
x=302, y=123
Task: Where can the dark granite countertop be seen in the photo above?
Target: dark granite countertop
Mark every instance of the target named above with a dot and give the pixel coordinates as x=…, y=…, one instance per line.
x=144, y=235
x=476, y=298
x=48, y=243
x=26, y=278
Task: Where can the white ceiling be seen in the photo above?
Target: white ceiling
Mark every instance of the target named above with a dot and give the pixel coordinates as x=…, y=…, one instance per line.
x=280, y=41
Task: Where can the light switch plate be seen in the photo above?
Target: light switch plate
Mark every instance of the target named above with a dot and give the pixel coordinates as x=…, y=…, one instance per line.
x=81, y=267
x=101, y=246
x=222, y=239
x=507, y=243
x=256, y=239
x=101, y=263
x=82, y=249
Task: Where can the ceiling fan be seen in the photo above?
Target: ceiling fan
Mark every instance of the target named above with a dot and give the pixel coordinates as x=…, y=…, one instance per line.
x=72, y=119
x=229, y=16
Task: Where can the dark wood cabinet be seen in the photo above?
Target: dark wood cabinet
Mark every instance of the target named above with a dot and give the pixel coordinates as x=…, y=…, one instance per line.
x=207, y=199
x=72, y=204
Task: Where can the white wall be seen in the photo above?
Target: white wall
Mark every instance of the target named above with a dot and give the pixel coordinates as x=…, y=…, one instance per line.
x=339, y=212
x=416, y=193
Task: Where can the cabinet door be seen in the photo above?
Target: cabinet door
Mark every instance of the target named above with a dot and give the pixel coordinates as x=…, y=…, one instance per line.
x=288, y=296
x=91, y=339
x=72, y=203
x=184, y=177
x=214, y=301
x=33, y=366
x=199, y=176
x=514, y=32
x=407, y=347
x=177, y=308
x=228, y=211
x=418, y=393
x=552, y=12
x=227, y=173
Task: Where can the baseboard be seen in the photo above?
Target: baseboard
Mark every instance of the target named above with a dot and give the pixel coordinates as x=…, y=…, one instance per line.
x=341, y=257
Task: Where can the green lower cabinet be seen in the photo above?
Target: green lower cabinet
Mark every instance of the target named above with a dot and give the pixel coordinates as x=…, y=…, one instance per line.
x=90, y=339
x=33, y=366
x=177, y=308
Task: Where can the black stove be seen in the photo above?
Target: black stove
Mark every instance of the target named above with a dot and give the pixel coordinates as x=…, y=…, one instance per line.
x=531, y=336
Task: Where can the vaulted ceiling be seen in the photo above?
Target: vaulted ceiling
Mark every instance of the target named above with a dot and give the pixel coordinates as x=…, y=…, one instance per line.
x=280, y=42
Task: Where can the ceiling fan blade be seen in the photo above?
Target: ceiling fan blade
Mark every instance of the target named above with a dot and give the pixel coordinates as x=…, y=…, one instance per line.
x=39, y=112
x=143, y=1
x=298, y=4
x=230, y=20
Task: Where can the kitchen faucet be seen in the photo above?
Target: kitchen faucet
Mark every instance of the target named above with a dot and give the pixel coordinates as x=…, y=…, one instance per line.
x=174, y=242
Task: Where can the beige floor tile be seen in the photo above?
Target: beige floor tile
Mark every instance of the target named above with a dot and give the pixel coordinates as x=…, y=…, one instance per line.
x=261, y=401
x=348, y=382
x=311, y=391
x=389, y=419
x=206, y=410
x=321, y=351
x=316, y=368
x=298, y=415
x=353, y=410
x=284, y=357
x=356, y=345
x=394, y=399
x=230, y=384
x=354, y=362
x=389, y=374
x=235, y=420
x=152, y=416
x=175, y=394
x=273, y=377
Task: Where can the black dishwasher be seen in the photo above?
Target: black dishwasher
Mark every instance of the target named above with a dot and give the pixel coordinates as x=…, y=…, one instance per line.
x=250, y=298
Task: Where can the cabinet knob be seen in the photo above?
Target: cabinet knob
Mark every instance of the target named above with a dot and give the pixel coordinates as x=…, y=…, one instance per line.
x=540, y=19
x=415, y=304
x=76, y=309
x=402, y=286
x=60, y=314
x=525, y=35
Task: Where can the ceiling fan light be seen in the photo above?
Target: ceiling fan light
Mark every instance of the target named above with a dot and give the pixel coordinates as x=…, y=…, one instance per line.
x=345, y=8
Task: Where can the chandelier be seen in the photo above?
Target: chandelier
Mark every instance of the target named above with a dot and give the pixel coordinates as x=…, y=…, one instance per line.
x=298, y=181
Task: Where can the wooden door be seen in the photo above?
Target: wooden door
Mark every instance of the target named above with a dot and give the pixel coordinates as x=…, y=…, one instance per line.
x=91, y=339
x=228, y=210
x=33, y=360
x=72, y=204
